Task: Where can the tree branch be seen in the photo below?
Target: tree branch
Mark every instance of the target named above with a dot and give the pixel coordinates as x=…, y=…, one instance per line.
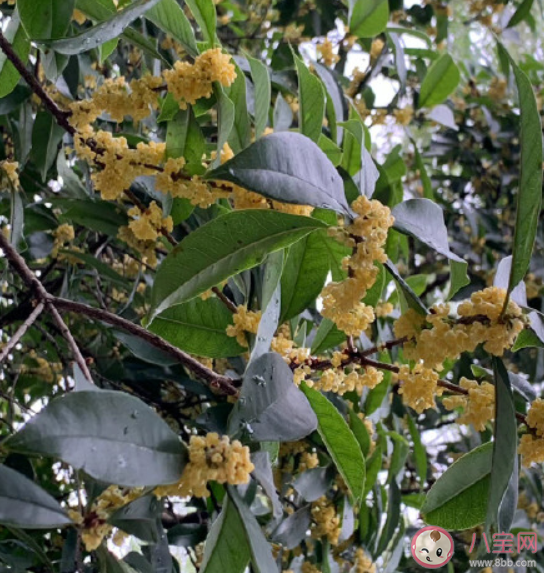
x=12, y=342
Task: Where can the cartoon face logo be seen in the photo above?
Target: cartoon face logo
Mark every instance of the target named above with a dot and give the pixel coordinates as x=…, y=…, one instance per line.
x=432, y=547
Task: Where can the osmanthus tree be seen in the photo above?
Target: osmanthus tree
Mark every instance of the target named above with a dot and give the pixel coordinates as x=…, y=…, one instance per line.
x=271, y=282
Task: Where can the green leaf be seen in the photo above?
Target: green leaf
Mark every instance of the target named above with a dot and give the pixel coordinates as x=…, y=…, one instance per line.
x=169, y=16
x=413, y=301
x=113, y=437
x=505, y=443
x=287, y=167
x=311, y=97
x=46, y=137
x=104, y=31
x=261, y=551
x=206, y=18
x=527, y=339
x=304, y=274
x=428, y=192
x=139, y=518
x=357, y=160
x=373, y=467
x=99, y=216
x=458, y=277
x=225, y=119
x=336, y=101
x=458, y=499
x=529, y=200
x=198, y=327
x=419, y=452
x=327, y=336
x=359, y=431
x=263, y=90
x=16, y=36
x=184, y=137
x=26, y=505
x=224, y=247
x=340, y=442
x=439, y=82
x=271, y=407
x=227, y=547
x=240, y=133
x=524, y=10
x=104, y=270
x=45, y=19
x=331, y=150
x=368, y=18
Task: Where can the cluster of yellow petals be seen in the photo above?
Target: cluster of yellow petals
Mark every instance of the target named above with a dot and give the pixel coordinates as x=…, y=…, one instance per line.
x=531, y=445
x=282, y=344
x=436, y=337
x=9, y=176
x=418, y=386
x=342, y=300
x=478, y=404
x=147, y=225
x=63, y=234
x=94, y=524
x=211, y=458
x=326, y=522
x=338, y=381
x=244, y=321
x=145, y=248
x=326, y=50
x=363, y=563
x=44, y=370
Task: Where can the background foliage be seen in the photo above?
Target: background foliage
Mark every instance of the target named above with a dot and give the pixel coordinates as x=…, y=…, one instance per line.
x=134, y=318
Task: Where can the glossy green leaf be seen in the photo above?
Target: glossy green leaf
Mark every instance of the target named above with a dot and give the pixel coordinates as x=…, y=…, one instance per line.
x=287, y=167
x=311, y=97
x=505, y=443
x=271, y=407
x=225, y=119
x=113, y=437
x=46, y=137
x=419, y=452
x=224, y=247
x=529, y=197
x=169, y=16
x=24, y=504
x=206, y=18
x=359, y=431
x=45, y=19
x=227, y=547
x=441, y=79
x=263, y=89
x=240, y=133
x=104, y=31
x=327, y=336
x=340, y=442
x=458, y=499
x=16, y=36
x=184, y=137
x=198, y=327
x=368, y=18
x=523, y=10
x=304, y=274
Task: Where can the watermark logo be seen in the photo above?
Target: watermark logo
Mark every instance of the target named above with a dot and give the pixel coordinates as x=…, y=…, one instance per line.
x=432, y=547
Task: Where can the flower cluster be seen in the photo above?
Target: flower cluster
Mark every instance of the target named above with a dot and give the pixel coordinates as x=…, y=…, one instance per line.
x=436, y=337
x=326, y=49
x=244, y=321
x=367, y=236
x=363, y=563
x=148, y=224
x=94, y=523
x=63, y=234
x=326, y=522
x=338, y=381
x=418, y=386
x=531, y=445
x=145, y=248
x=211, y=458
x=478, y=404
x=45, y=370
x=9, y=176
x=190, y=82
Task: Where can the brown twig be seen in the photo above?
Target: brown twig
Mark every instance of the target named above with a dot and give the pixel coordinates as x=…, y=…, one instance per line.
x=12, y=342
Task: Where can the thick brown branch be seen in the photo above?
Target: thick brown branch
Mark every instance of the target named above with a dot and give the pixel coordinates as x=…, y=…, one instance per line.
x=216, y=381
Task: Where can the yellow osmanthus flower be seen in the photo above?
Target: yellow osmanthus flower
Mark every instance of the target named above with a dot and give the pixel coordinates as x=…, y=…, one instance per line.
x=282, y=344
x=244, y=321
x=63, y=234
x=376, y=48
x=479, y=403
x=94, y=524
x=363, y=563
x=342, y=300
x=327, y=53
x=438, y=336
x=384, y=309
x=326, y=522
x=337, y=381
x=211, y=458
x=49, y=372
x=418, y=386
x=79, y=17
x=148, y=224
x=145, y=248
x=190, y=82
x=404, y=116
x=531, y=446
x=9, y=176
x=358, y=77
